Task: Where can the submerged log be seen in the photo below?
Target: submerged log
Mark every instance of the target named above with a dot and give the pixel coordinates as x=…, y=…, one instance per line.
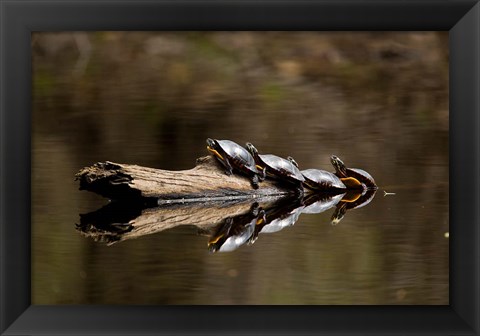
x=205, y=182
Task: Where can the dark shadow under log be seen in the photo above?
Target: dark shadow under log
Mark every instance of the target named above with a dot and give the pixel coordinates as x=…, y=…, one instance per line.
x=205, y=182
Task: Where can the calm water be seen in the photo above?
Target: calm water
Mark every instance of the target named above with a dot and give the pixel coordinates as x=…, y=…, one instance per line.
x=152, y=99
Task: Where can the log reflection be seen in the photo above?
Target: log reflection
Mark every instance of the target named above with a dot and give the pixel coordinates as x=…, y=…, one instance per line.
x=228, y=225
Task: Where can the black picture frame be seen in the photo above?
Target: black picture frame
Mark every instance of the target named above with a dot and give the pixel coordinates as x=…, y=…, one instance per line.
x=19, y=18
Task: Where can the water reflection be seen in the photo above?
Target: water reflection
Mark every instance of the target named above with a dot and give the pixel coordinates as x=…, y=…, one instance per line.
x=352, y=201
x=281, y=215
x=318, y=203
x=229, y=225
x=233, y=232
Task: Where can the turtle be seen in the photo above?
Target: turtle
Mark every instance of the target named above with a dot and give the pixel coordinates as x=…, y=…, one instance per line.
x=352, y=200
x=278, y=168
x=322, y=180
x=234, y=157
x=236, y=231
x=353, y=178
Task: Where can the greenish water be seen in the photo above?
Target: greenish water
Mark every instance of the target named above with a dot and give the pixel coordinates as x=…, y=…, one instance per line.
x=153, y=98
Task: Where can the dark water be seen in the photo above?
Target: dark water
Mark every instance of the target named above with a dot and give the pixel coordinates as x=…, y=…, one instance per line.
x=152, y=100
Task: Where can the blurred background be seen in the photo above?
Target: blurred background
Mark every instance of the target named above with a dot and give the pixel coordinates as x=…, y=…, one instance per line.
x=378, y=100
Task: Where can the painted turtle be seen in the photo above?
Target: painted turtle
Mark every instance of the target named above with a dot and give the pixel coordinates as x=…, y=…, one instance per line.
x=275, y=167
x=234, y=157
x=352, y=200
x=322, y=180
x=353, y=178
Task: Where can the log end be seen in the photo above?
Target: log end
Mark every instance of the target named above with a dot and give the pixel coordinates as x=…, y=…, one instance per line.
x=107, y=179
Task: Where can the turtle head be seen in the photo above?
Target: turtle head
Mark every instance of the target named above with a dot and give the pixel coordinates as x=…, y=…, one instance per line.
x=221, y=235
x=292, y=160
x=251, y=148
x=261, y=217
x=211, y=143
x=339, y=166
x=212, y=248
x=214, y=243
x=213, y=148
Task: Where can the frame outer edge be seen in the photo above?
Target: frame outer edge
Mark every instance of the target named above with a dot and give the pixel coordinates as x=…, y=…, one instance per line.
x=7, y=318
x=2, y=160
x=330, y=15
x=15, y=177
x=465, y=193
x=476, y=236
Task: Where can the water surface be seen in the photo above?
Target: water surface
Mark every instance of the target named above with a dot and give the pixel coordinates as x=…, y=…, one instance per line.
x=377, y=100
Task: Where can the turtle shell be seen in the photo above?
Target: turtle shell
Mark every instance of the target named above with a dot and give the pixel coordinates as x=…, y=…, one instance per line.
x=238, y=156
x=321, y=180
x=281, y=168
x=363, y=177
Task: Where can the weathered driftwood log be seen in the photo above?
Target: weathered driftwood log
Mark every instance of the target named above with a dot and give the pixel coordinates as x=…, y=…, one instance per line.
x=207, y=181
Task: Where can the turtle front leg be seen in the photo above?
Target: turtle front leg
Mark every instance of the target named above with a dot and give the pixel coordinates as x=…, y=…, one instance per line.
x=227, y=165
x=254, y=181
x=261, y=219
x=263, y=174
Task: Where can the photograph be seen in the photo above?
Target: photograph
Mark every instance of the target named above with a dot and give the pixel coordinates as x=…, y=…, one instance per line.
x=240, y=168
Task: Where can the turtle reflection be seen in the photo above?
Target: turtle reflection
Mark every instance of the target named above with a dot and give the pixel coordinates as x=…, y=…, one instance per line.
x=236, y=231
x=281, y=215
x=321, y=202
x=352, y=200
